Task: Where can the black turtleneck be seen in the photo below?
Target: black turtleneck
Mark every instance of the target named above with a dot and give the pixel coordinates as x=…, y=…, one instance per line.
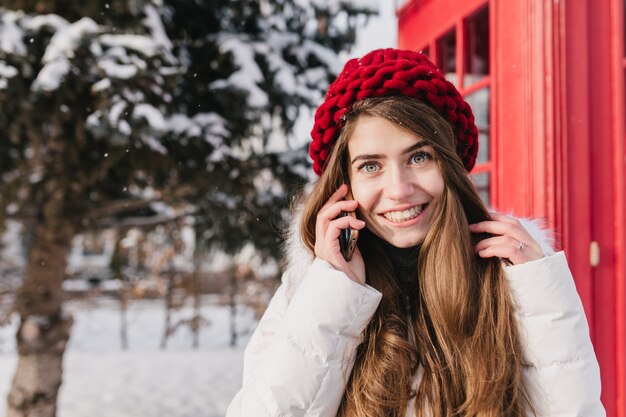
x=404, y=261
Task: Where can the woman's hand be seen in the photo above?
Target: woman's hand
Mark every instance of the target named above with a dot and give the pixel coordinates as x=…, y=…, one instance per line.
x=512, y=240
x=327, y=229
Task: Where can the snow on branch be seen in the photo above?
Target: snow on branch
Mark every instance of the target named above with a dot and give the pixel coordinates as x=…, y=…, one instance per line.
x=11, y=34
x=335, y=6
x=154, y=23
x=139, y=43
x=248, y=75
x=210, y=126
x=65, y=41
x=60, y=50
x=152, y=115
x=6, y=72
x=38, y=22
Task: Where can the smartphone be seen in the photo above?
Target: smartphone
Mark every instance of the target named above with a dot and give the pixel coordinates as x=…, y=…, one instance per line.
x=349, y=236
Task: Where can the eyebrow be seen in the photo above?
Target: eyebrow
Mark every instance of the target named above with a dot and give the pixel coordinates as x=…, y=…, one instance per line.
x=380, y=156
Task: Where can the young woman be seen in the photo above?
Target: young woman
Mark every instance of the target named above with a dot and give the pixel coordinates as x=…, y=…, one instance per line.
x=444, y=309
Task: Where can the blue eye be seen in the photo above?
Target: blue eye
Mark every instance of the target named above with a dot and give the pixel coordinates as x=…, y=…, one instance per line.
x=369, y=167
x=420, y=157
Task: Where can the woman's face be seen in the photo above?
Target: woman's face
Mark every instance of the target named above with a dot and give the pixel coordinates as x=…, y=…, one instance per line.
x=395, y=179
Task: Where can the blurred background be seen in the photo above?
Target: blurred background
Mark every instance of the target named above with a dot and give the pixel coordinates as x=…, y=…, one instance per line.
x=150, y=151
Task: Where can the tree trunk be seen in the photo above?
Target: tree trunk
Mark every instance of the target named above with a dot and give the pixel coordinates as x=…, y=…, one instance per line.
x=233, y=307
x=169, y=306
x=124, y=295
x=196, y=321
x=44, y=330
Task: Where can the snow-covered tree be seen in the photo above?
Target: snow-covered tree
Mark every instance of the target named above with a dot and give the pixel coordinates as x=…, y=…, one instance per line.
x=138, y=112
x=251, y=67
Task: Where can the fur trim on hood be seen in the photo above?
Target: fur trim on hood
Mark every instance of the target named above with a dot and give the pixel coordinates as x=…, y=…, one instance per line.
x=299, y=258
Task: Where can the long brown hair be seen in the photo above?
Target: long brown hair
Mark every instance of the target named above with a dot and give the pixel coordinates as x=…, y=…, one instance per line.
x=462, y=330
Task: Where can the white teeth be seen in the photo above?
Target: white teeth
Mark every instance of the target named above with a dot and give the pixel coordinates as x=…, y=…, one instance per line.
x=404, y=215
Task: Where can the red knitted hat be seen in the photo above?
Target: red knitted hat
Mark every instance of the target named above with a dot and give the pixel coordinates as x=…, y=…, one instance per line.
x=390, y=72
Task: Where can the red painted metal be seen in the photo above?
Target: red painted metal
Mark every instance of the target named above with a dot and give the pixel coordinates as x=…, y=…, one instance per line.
x=493, y=116
x=600, y=148
x=510, y=107
x=574, y=35
x=482, y=83
x=618, y=52
x=418, y=27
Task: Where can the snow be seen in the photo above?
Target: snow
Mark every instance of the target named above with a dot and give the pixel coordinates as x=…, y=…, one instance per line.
x=151, y=114
x=65, y=41
x=138, y=43
x=285, y=79
x=124, y=128
x=212, y=123
x=6, y=71
x=154, y=144
x=102, y=380
x=248, y=74
x=103, y=84
x=11, y=36
x=51, y=75
x=114, y=70
x=12, y=254
x=116, y=111
x=325, y=55
x=154, y=23
x=37, y=22
x=60, y=49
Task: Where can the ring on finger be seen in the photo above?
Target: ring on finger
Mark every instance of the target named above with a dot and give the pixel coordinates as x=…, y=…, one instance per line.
x=521, y=247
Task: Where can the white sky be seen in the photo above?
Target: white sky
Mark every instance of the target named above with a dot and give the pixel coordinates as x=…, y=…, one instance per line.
x=381, y=31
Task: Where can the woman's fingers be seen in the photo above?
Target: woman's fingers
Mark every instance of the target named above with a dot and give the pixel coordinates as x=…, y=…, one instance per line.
x=337, y=225
x=495, y=227
x=338, y=195
x=510, y=241
x=502, y=217
x=496, y=241
x=329, y=225
x=331, y=212
x=334, y=210
x=502, y=247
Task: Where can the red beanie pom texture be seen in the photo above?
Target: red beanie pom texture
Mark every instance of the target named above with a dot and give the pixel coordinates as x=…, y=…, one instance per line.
x=392, y=72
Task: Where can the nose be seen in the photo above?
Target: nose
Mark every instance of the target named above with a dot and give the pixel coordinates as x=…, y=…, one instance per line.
x=399, y=184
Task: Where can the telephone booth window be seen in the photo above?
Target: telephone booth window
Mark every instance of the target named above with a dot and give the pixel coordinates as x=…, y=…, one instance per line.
x=475, y=74
x=446, y=55
x=482, y=183
x=479, y=102
x=477, y=47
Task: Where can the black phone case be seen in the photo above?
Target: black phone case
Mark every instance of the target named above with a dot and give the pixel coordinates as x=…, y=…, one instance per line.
x=347, y=240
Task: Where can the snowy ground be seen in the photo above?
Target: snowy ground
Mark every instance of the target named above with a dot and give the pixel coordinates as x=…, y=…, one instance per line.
x=101, y=379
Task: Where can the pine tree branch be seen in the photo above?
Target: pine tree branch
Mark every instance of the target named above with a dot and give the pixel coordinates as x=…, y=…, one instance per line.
x=25, y=216
x=139, y=221
x=120, y=206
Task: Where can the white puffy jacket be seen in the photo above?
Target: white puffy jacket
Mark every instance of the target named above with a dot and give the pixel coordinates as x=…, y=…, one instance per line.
x=295, y=362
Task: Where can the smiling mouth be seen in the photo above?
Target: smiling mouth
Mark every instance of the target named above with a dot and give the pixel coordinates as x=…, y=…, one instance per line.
x=404, y=215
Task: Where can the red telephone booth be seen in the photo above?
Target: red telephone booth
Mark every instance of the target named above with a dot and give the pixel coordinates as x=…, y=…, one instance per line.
x=546, y=81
